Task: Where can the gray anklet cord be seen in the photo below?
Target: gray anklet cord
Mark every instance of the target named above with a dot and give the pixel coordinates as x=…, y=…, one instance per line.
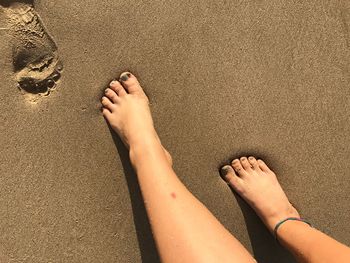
x=285, y=220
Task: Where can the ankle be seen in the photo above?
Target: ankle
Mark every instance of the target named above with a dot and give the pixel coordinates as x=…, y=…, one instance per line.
x=273, y=220
x=143, y=147
x=142, y=138
x=289, y=228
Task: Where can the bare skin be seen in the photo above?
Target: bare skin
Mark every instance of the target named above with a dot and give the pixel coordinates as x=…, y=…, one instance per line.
x=184, y=230
x=254, y=181
x=131, y=110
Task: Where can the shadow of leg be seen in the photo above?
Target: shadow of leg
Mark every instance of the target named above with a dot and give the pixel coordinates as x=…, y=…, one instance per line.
x=145, y=239
x=265, y=248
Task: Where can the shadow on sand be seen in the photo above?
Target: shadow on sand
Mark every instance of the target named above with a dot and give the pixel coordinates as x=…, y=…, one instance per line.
x=265, y=247
x=145, y=239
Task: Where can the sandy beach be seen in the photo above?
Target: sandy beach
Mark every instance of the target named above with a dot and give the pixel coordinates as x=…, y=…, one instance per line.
x=224, y=78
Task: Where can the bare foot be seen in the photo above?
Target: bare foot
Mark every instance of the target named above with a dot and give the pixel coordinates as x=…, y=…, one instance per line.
x=126, y=108
x=259, y=187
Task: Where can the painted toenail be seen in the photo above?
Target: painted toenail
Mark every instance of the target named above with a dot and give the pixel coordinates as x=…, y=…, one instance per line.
x=125, y=77
x=225, y=170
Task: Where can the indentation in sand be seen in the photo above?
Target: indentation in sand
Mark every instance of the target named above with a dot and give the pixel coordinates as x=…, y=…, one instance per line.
x=35, y=58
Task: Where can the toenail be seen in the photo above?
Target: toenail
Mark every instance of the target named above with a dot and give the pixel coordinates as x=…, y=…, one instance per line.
x=251, y=158
x=125, y=77
x=225, y=170
x=112, y=83
x=106, y=90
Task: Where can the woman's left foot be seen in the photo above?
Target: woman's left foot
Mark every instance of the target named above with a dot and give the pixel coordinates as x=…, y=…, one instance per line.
x=126, y=108
x=258, y=185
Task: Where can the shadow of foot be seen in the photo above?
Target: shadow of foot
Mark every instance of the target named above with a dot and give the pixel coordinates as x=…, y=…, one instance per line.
x=265, y=248
x=35, y=60
x=145, y=239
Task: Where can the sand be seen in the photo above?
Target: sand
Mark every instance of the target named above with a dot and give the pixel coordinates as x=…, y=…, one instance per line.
x=225, y=79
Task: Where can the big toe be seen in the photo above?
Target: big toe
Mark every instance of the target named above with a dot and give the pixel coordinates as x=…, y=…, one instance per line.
x=130, y=83
x=230, y=177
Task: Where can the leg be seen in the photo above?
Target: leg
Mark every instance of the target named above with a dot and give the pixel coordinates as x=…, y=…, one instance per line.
x=184, y=230
x=259, y=186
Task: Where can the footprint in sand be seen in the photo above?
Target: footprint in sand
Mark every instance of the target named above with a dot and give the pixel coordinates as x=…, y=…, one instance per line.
x=35, y=59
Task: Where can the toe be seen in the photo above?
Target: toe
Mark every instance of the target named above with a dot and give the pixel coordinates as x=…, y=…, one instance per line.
x=109, y=93
x=106, y=113
x=263, y=166
x=230, y=177
x=253, y=162
x=107, y=104
x=237, y=166
x=118, y=88
x=130, y=82
x=246, y=165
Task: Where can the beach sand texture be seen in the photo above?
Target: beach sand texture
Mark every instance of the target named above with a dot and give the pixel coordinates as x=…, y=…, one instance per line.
x=225, y=79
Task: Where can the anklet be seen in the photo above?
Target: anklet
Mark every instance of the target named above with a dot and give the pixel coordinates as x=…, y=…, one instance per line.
x=285, y=220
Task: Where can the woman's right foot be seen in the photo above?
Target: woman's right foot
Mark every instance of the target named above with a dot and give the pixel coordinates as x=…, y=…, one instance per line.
x=126, y=108
x=254, y=181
